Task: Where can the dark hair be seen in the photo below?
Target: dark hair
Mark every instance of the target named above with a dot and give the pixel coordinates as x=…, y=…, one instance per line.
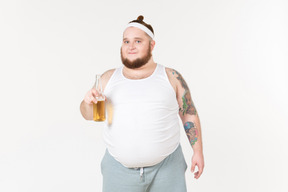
x=140, y=20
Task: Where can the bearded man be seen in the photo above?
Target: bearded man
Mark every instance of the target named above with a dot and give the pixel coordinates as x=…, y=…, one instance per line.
x=142, y=135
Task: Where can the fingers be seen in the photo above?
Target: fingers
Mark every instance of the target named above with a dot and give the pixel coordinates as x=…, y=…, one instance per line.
x=199, y=172
x=94, y=92
x=90, y=99
x=196, y=175
x=90, y=96
x=93, y=100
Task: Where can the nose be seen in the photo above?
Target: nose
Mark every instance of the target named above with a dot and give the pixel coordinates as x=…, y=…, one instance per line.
x=132, y=46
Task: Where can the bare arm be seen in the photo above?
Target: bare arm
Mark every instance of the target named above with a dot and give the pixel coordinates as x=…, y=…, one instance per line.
x=190, y=119
x=86, y=106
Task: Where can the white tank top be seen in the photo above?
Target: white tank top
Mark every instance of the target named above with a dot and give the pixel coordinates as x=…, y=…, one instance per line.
x=142, y=126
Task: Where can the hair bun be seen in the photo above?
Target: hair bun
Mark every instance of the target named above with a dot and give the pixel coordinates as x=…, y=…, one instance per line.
x=140, y=18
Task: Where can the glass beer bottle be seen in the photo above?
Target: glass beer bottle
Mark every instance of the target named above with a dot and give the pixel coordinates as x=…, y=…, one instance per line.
x=99, y=113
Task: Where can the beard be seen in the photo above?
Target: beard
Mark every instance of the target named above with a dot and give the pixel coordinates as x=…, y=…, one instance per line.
x=137, y=63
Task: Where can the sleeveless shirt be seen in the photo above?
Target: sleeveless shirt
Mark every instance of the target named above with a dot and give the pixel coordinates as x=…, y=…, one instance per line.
x=142, y=126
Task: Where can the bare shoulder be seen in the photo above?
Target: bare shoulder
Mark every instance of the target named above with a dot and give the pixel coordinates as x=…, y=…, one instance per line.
x=173, y=75
x=177, y=80
x=108, y=74
x=177, y=77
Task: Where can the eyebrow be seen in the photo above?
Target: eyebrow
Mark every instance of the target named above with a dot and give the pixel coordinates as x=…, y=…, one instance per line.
x=136, y=38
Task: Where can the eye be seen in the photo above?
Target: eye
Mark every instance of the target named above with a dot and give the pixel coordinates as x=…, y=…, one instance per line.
x=125, y=42
x=138, y=41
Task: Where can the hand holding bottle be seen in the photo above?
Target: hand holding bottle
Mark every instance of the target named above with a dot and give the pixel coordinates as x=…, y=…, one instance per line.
x=91, y=96
x=97, y=98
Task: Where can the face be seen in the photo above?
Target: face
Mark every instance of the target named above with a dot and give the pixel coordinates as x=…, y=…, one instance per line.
x=136, y=48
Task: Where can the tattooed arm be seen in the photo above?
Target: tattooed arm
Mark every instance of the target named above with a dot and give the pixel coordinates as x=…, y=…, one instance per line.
x=189, y=117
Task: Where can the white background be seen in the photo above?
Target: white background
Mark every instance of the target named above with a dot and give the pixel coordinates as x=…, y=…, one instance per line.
x=232, y=53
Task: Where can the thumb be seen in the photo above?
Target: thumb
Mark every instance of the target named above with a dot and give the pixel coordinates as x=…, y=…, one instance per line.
x=193, y=167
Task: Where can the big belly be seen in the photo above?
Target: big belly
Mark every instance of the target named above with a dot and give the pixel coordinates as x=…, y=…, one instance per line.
x=142, y=140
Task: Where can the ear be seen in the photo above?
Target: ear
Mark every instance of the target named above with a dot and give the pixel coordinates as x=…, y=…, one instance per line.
x=152, y=45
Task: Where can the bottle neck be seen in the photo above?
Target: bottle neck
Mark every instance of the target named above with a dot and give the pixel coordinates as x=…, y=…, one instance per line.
x=98, y=84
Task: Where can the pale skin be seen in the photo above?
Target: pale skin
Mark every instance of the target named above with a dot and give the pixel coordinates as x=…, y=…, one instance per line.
x=135, y=45
x=189, y=116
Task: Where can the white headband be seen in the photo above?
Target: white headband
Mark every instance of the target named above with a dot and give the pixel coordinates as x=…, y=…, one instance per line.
x=142, y=27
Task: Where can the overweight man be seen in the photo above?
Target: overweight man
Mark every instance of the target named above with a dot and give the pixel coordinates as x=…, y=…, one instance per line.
x=142, y=131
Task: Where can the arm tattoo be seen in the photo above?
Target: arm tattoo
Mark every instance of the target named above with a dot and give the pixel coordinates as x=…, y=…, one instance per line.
x=188, y=105
x=191, y=132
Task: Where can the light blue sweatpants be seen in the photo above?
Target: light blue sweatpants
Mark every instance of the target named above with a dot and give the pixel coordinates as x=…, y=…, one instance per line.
x=166, y=176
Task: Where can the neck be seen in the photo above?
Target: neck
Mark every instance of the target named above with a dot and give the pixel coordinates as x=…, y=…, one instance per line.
x=141, y=72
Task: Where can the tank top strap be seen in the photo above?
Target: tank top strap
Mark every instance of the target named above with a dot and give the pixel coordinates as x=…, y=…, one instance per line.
x=115, y=77
x=161, y=72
